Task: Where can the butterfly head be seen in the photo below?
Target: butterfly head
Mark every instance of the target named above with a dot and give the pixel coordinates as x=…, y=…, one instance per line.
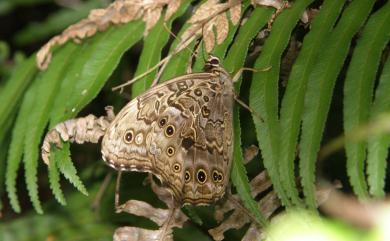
x=211, y=63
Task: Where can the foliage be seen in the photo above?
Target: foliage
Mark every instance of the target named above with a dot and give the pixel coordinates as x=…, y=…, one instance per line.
x=343, y=47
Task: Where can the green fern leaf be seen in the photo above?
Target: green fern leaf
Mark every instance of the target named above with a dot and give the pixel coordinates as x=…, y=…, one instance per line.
x=378, y=145
x=12, y=92
x=233, y=62
x=109, y=49
x=358, y=92
x=65, y=164
x=15, y=151
x=264, y=92
x=293, y=99
x=178, y=64
x=72, y=77
x=49, y=82
x=151, y=51
x=319, y=91
x=54, y=178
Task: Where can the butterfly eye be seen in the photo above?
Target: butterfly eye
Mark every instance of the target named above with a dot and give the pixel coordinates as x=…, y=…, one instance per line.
x=187, y=176
x=128, y=137
x=170, y=130
x=170, y=151
x=162, y=122
x=176, y=167
x=214, y=61
x=201, y=176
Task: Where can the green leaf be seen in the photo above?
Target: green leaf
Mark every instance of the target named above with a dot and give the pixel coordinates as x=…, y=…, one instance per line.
x=320, y=88
x=85, y=52
x=3, y=157
x=151, y=51
x=178, y=64
x=13, y=90
x=293, y=99
x=49, y=82
x=15, y=151
x=358, y=92
x=54, y=179
x=239, y=176
x=233, y=62
x=65, y=164
x=264, y=92
x=109, y=49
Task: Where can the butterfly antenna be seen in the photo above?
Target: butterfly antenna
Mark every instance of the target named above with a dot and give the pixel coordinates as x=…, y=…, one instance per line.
x=178, y=39
x=117, y=189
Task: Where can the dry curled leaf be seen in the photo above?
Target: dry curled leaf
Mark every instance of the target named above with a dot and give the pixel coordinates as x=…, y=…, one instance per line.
x=250, y=153
x=241, y=216
x=268, y=205
x=278, y=4
x=166, y=219
x=119, y=12
x=235, y=12
x=211, y=21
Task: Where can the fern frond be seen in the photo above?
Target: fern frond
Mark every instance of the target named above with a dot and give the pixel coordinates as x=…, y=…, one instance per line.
x=15, y=151
x=151, y=51
x=358, y=92
x=14, y=89
x=109, y=49
x=49, y=82
x=293, y=100
x=66, y=167
x=378, y=145
x=54, y=179
x=264, y=92
x=234, y=61
x=319, y=92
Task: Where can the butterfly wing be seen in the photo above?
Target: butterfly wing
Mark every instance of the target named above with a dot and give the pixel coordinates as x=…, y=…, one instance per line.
x=181, y=132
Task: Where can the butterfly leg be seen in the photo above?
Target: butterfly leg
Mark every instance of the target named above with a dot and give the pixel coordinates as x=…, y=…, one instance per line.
x=242, y=103
x=79, y=130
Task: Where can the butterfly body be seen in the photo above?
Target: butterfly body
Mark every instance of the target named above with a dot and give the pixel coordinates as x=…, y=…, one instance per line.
x=180, y=131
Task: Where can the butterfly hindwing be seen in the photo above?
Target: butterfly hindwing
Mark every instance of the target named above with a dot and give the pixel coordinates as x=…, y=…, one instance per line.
x=180, y=131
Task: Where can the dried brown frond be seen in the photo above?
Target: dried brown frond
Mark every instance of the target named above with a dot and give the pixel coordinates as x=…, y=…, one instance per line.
x=241, y=216
x=267, y=205
x=119, y=12
x=166, y=219
x=210, y=20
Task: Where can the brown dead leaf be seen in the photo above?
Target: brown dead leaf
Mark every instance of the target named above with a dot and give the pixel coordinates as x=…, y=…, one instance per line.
x=222, y=25
x=277, y=4
x=267, y=205
x=119, y=12
x=235, y=12
x=171, y=9
x=166, y=219
x=250, y=153
x=209, y=36
x=210, y=21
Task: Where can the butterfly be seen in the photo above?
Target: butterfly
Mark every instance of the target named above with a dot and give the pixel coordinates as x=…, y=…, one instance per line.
x=181, y=132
